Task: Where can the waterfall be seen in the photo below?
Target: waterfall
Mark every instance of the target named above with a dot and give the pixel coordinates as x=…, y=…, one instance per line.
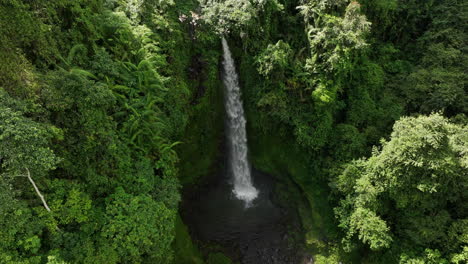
x=236, y=133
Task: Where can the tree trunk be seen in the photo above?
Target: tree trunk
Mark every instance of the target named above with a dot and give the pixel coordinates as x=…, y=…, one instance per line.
x=37, y=191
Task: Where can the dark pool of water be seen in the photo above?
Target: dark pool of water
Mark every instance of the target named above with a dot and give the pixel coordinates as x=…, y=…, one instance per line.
x=254, y=234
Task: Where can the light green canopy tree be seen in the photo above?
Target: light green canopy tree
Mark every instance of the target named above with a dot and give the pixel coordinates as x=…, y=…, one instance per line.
x=412, y=191
x=24, y=149
x=24, y=158
x=232, y=15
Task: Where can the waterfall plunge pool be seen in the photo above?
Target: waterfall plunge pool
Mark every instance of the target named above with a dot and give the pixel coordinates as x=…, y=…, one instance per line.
x=237, y=210
x=254, y=234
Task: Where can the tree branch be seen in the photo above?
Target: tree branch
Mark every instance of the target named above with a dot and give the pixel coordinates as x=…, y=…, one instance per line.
x=37, y=190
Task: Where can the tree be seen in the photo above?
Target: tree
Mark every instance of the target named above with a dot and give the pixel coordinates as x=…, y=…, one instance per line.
x=139, y=228
x=412, y=190
x=331, y=37
x=438, y=81
x=227, y=16
x=274, y=58
x=24, y=149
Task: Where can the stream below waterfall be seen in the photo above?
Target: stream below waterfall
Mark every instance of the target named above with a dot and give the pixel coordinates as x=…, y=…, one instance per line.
x=250, y=235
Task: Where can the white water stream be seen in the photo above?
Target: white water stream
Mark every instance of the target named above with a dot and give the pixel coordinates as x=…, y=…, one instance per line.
x=236, y=133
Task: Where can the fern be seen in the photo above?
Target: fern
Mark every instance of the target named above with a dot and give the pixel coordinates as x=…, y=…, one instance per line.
x=135, y=112
x=144, y=64
x=82, y=72
x=166, y=147
x=73, y=51
x=129, y=66
x=135, y=135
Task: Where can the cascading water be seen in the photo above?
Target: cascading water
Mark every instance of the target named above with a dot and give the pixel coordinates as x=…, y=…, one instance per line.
x=237, y=136
x=250, y=226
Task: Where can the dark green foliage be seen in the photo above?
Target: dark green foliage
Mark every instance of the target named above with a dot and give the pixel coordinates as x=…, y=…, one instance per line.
x=138, y=228
x=111, y=106
x=95, y=122
x=330, y=78
x=439, y=80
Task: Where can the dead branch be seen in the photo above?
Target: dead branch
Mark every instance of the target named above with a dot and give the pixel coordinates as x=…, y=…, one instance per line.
x=37, y=190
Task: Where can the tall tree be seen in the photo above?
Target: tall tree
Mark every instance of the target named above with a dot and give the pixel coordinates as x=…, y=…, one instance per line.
x=412, y=191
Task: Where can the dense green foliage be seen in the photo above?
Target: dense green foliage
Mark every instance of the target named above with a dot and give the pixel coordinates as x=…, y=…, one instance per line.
x=108, y=107
x=410, y=194
x=94, y=97
x=330, y=78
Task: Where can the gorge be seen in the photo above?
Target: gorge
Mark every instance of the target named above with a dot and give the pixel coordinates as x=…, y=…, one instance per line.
x=233, y=132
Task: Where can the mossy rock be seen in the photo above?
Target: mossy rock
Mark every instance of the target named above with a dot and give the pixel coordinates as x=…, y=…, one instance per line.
x=185, y=251
x=218, y=258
